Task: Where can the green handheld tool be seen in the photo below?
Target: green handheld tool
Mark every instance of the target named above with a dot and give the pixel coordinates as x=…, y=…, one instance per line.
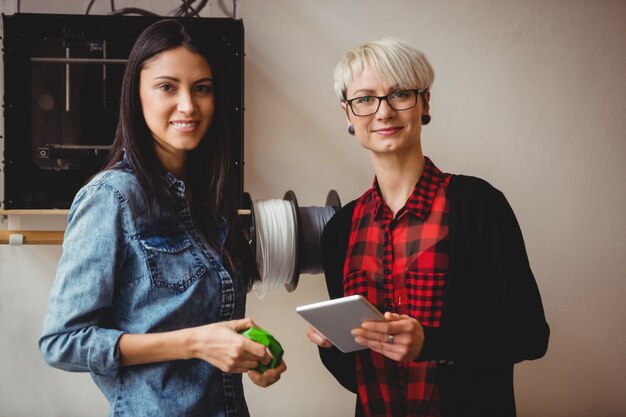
x=266, y=339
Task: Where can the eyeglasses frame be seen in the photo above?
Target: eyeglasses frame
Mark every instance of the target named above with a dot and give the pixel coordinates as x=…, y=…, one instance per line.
x=415, y=91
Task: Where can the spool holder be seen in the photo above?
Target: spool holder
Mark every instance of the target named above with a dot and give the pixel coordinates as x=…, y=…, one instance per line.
x=303, y=229
x=293, y=283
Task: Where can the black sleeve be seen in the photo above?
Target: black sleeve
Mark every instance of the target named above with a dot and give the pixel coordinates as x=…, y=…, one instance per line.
x=493, y=310
x=334, y=247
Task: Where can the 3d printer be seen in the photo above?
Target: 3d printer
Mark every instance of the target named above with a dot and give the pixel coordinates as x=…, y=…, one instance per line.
x=62, y=78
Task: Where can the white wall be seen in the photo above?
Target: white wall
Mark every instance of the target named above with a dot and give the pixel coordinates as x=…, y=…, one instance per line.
x=529, y=95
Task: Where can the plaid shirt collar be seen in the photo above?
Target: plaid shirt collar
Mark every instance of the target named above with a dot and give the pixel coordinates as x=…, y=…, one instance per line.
x=421, y=199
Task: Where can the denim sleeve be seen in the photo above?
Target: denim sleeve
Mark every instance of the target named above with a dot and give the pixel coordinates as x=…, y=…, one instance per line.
x=75, y=336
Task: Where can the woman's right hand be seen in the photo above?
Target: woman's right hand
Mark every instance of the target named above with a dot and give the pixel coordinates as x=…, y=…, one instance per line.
x=221, y=345
x=316, y=337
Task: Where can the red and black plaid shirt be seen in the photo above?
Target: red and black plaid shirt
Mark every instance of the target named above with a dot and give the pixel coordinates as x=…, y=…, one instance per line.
x=399, y=264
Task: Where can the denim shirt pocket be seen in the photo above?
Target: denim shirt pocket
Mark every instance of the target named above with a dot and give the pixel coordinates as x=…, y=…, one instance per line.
x=172, y=260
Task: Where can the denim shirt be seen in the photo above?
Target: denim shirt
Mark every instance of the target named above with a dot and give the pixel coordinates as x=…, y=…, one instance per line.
x=124, y=270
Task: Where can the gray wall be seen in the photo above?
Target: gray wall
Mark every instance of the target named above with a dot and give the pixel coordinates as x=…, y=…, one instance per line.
x=529, y=95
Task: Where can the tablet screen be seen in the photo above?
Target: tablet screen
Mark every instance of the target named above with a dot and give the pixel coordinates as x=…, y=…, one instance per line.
x=336, y=318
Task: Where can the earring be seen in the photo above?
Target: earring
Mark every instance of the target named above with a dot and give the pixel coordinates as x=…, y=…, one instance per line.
x=425, y=118
x=351, y=130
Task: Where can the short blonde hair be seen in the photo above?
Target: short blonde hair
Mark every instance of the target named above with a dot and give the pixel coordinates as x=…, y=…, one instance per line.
x=394, y=60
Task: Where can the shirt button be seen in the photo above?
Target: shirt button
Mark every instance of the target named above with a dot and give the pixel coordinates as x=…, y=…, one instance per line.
x=387, y=272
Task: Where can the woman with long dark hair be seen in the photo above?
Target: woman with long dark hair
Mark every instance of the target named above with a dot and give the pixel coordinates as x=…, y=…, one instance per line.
x=150, y=291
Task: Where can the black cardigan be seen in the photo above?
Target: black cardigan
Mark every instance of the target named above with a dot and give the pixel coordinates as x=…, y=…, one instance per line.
x=493, y=316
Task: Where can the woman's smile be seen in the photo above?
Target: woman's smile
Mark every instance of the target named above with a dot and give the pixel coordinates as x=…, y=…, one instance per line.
x=184, y=126
x=388, y=131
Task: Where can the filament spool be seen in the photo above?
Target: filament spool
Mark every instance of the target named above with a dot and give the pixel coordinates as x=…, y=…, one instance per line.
x=276, y=243
x=286, y=237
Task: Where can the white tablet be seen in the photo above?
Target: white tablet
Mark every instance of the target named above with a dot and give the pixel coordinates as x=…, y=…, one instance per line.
x=336, y=318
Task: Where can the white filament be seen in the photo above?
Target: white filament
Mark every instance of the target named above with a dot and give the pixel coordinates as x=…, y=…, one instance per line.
x=276, y=237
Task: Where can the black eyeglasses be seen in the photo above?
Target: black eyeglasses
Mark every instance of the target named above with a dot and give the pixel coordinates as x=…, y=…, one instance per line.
x=398, y=101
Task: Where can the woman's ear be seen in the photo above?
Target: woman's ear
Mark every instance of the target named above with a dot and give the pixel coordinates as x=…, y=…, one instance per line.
x=349, y=125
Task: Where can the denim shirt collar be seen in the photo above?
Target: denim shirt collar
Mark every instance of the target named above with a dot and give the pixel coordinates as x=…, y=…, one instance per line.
x=179, y=188
x=179, y=191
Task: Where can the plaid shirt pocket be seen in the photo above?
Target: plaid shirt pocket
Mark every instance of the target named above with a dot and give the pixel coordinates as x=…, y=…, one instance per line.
x=425, y=291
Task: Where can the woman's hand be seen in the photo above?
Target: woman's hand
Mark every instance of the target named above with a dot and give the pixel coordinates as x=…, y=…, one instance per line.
x=268, y=377
x=317, y=338
x=400, y=338
x=221, y=345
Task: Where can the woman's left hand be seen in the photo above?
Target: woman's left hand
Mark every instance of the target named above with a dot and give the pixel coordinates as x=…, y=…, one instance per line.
x=400, y=338
x=268, y=377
